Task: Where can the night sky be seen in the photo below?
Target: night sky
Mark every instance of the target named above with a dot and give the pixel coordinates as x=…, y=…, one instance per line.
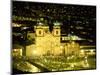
x=77, y=20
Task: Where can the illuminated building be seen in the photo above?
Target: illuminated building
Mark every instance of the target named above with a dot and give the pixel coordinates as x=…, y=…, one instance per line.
x=77, y=20
x=17, y=50
x=49, y=43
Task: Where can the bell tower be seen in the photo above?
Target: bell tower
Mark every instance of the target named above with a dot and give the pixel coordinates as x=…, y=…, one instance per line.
x=56, y=33
x=40, y=32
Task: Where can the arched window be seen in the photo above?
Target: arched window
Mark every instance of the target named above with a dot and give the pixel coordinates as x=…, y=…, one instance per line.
x=56, y=32
x=39, y=32
x=46, y=31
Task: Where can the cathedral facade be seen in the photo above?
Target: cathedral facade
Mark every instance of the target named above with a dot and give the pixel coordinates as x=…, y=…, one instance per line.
x=46, y=41
x=49, y=43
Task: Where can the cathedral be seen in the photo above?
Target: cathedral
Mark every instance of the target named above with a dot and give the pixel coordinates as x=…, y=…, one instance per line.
x=49, y=42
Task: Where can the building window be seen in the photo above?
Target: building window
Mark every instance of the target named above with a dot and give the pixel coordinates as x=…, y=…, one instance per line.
x=56, y=32
x=46, y=31
x=39, y=32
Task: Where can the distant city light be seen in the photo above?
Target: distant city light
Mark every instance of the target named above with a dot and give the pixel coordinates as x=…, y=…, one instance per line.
x=23, y=28
x=16, y=25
